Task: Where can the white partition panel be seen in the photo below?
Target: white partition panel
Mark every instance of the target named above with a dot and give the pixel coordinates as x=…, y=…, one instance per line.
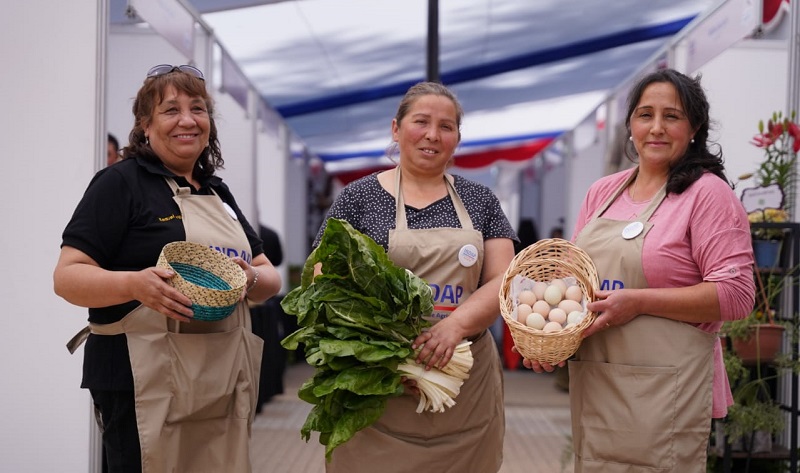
x=236, y=141
x=745, y=84
x=51, y=142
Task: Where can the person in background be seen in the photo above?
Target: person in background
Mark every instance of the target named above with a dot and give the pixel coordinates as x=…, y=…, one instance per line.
x=528, y=234
x=112, y=151
x=270, y=323
x=449, y=231
x=140, y=363
x=649, y=375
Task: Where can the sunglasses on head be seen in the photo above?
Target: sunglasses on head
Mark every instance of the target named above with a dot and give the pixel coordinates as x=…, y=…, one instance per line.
x=162, y=69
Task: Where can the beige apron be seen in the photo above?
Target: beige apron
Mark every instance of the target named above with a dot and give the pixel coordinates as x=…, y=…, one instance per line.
x=467, y=438
x=641, y=392
x=195, y=384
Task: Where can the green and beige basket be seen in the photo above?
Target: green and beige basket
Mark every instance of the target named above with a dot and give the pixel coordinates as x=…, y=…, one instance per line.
x=546, y=260
x=210, y=279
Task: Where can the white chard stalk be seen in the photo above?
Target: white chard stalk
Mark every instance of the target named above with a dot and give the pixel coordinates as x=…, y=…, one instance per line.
x=439, y=387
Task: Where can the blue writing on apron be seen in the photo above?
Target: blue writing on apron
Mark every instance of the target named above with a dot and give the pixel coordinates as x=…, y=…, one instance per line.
x=608, y=285
x=447, y=294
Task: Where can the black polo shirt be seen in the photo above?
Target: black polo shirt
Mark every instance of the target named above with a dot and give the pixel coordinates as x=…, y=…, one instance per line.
x=125, y=217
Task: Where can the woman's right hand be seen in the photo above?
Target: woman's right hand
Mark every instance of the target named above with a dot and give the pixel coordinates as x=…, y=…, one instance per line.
x=81, y=281
x=149, y=286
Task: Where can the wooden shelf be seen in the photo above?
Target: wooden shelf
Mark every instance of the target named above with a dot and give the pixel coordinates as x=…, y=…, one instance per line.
x=778, y=453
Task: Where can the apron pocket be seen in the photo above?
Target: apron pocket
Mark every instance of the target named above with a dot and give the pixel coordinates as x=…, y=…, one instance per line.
x=213, y=378
x=631, y=420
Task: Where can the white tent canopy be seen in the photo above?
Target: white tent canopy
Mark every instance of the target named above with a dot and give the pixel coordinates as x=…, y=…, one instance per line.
x=336, y=69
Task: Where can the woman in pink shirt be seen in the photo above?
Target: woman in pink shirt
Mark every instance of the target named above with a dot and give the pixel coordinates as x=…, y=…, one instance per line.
x=671, y=243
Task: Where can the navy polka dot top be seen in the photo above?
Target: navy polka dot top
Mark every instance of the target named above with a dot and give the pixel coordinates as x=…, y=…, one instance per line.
x=370, y=209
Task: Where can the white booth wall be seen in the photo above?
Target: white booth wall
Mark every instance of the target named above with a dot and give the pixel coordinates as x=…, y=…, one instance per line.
x=50, y=84
x=745, y=84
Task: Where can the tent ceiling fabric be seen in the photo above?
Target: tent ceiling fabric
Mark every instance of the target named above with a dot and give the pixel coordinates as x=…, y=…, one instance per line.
x=523, y=70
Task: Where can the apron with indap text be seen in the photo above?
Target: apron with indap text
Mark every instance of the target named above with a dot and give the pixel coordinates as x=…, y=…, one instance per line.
x=195, y=384
x=468, y=437
x=640, y=393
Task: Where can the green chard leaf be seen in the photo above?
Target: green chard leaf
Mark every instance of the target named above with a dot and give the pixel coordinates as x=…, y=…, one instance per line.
x=358, y=320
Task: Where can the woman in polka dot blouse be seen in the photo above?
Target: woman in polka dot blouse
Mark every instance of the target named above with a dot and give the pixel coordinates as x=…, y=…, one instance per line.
x=452, y=233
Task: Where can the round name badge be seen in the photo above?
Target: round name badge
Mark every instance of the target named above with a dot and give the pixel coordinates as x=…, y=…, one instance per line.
x=467, y=255
x=230, y=211
x=632, y=230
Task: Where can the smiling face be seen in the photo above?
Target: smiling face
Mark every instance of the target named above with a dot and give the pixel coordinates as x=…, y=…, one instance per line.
x=659, y=125
x=428, y=134
x=179, y=130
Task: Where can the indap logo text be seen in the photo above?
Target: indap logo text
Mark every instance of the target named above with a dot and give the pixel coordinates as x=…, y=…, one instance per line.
x=446, y=294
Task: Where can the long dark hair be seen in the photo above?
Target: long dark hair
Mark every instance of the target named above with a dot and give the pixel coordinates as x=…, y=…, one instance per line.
x=149, y=96
x=698, y=157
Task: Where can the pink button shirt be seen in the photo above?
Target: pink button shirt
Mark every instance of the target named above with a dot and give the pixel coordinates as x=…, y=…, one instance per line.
x=700, y=235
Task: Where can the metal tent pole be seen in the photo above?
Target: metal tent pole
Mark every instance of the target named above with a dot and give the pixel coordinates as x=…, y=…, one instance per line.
x=433, y=41
x=793, y=83
x=793, y=105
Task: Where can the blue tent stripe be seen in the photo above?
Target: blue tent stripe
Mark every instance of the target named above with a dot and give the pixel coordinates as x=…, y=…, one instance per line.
x=522, y=61
x=332, y=157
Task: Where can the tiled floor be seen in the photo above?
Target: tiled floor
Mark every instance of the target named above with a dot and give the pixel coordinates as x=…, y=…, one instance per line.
x=537, y=427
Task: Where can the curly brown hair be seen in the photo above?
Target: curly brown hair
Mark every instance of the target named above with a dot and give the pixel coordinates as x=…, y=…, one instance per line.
x=149, y=96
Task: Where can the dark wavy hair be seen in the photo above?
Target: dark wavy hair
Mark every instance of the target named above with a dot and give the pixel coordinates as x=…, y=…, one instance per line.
x=698, y=157
x=149, y=96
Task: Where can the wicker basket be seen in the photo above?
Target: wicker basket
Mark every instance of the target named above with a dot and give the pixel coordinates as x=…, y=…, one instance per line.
x=210, y=279
x=546, y=260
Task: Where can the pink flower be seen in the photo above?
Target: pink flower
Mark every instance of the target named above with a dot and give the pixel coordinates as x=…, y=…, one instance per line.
x=763, y=140
x=794, y=131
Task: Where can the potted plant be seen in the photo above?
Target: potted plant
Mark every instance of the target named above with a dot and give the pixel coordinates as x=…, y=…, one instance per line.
x=780, y=140
x=767, y=240
x=755, y=416
x=757, y=338
x=771, y=201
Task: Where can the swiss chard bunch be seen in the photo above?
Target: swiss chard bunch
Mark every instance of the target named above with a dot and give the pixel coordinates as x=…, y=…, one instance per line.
x=358, y=319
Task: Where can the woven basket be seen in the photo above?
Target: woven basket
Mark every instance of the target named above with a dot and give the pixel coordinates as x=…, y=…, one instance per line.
x=546, y=260
x=210, y=279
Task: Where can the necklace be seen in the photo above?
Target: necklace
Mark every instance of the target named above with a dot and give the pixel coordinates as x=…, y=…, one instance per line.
x=633, y=191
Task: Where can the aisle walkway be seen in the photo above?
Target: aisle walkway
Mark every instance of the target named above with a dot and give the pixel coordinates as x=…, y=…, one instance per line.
x=537, y=427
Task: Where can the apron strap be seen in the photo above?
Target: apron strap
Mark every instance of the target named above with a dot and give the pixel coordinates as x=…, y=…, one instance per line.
x=114, y=328
x=645, y=215
x=78, y=339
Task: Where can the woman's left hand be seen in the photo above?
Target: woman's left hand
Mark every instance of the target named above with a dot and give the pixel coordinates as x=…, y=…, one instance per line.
x=438, y=343
x=249, y=271
x=615, y=308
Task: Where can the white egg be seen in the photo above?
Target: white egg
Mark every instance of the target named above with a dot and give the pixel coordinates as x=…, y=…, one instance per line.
x=523, y=310
x=560, y=283
x=527, y=297
x=574, y=317
x=568, y=326
x=541, y=307
x=536, y=320
x=557, y=315
x=568, y=305
x=553, y=294
x=552, y=327
x=538, y=288
x=574, y=293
